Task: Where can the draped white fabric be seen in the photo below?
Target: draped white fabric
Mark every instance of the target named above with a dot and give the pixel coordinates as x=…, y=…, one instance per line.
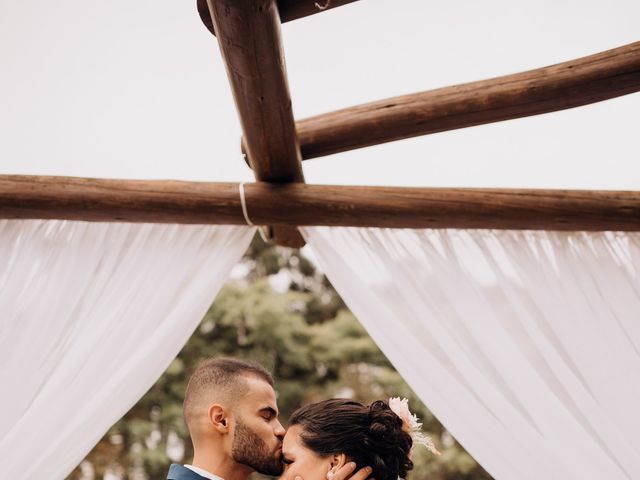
x=92, y=314
x=525, y=345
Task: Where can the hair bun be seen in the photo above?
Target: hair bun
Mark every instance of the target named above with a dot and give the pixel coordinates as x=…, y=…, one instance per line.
x=384, y=421
x=388, y=441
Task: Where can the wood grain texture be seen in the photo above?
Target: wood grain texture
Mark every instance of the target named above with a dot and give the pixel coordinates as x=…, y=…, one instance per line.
x=288, y=9
x=566, y=85
x=250, y=42
x=155, y=201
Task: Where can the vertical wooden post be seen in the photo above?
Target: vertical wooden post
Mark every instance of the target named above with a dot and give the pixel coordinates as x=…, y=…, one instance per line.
x=248, y=33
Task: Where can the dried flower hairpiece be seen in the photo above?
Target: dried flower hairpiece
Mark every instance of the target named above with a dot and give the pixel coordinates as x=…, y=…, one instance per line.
x=411, y=424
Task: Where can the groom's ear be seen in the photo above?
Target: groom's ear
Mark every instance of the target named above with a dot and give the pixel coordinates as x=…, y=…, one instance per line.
x=218, y=418
x=338, y=460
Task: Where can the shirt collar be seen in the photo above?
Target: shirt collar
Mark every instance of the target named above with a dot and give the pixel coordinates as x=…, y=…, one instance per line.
x=203, y=473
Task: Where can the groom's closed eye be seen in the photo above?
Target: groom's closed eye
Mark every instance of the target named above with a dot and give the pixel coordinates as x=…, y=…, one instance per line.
x=268, y=413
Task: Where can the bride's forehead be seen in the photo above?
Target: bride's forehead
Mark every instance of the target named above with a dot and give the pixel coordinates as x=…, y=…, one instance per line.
x=292, y=440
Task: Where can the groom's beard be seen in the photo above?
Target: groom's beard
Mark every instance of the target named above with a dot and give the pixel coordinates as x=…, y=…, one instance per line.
x=249, y=449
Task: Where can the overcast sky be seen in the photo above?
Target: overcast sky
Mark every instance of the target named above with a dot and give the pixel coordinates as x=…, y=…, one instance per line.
x=137, y=89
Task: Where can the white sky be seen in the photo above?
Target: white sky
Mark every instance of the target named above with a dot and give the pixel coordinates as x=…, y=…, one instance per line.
x=137, y=89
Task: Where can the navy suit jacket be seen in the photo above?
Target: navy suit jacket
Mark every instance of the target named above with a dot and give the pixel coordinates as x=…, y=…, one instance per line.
x=179, y=472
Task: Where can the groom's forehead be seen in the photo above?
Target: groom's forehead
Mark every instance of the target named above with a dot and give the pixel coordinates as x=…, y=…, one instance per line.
x=259, y=392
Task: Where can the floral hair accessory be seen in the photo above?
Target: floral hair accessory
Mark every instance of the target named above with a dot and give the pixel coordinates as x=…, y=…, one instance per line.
x=411, y=424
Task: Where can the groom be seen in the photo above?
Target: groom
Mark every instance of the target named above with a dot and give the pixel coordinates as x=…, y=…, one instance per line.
x=232, y=416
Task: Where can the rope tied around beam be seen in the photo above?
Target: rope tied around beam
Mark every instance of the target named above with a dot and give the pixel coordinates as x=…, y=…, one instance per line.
x=264, y=231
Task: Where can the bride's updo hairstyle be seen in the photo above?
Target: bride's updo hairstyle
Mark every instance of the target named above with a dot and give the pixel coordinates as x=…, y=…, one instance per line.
x=368, y=435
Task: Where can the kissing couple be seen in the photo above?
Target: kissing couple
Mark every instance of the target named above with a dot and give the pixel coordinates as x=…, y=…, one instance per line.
x=231, y=412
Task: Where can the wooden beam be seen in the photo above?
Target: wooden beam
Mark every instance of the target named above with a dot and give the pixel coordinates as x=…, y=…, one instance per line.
x=250, y=43
x=155, y=201
x=249, y=38
x=566, y=85
x=288, y=9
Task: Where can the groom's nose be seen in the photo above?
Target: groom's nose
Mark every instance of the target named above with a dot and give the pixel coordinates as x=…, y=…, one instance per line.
x=279, y=430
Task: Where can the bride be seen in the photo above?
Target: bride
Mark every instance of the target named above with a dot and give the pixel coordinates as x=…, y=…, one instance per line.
x=334, y=434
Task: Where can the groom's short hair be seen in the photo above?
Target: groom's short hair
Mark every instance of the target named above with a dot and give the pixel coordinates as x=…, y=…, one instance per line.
x=220, y=378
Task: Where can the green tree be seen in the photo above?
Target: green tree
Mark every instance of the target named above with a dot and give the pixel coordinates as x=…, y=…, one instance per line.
x=305, y=335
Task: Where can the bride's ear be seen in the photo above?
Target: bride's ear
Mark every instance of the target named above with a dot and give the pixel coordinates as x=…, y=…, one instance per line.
x=338, y=460
x=218, y=418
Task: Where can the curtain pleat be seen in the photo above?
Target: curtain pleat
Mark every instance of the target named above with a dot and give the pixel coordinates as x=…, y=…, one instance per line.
x=525, y=345
x=91, y=315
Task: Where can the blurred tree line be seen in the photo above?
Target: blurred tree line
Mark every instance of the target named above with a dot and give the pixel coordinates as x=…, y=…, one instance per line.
x=285, y=315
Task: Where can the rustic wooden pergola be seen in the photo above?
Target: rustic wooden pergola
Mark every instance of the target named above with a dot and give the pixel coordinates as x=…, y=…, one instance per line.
x=248, y=33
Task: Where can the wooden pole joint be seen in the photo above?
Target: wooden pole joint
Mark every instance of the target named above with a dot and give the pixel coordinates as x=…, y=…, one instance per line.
x=249, y=37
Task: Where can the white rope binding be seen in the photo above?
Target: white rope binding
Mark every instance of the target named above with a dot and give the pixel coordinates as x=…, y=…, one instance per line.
x=245, y=213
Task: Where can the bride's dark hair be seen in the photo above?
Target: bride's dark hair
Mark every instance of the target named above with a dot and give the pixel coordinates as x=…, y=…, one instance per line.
x=369, y=435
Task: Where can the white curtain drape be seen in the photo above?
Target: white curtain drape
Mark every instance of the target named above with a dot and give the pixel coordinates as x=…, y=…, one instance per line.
x=90, y=316
x=526, y=345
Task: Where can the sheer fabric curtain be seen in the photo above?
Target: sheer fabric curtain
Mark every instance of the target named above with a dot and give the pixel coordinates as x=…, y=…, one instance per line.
x=91, y=315
x=526, y=345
